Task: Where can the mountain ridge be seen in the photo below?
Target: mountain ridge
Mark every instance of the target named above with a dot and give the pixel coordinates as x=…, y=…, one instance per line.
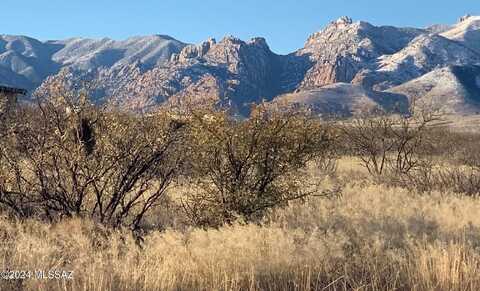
x=144, y=73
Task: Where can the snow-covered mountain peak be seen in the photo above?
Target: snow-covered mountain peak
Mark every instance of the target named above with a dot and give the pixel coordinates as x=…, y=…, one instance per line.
x=467, y=31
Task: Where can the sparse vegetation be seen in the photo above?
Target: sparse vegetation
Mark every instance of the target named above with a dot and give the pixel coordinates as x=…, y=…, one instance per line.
x=279, y=201
x=66, y=159
x=244, y=168
x=390, y=144
x=371, y=238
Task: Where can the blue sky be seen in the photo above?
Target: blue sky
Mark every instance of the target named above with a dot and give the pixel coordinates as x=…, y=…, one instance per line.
x=284, y=23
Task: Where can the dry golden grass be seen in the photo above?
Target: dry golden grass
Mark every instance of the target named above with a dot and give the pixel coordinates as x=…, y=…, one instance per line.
x=370, y=238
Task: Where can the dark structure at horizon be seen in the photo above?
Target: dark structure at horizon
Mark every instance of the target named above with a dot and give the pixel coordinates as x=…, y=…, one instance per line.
x=8, y=98
x=12, y=91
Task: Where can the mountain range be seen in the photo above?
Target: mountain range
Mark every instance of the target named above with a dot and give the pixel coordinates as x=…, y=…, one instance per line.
x=345, y=68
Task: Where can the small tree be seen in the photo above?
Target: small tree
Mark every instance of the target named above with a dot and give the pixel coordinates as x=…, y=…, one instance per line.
x=389, y=143
x=243, y=168
x=63, y=157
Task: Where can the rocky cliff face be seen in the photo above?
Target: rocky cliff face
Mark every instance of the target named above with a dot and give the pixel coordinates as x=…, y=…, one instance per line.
x=376, y=60
x=422, y=55
x=231, y=72
x=143, y=73
x=344, y=48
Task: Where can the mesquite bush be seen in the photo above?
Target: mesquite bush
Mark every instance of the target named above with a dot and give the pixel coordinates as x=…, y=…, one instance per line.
x=243, y=168
x=69, y=158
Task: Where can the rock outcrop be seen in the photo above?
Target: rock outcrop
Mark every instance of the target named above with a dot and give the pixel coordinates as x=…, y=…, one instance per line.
x=425, y=53
x=344, y=48
x=347, y=61
x=233, y=72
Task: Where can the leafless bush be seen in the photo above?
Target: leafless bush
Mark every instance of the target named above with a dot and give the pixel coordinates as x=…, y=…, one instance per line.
x=450, y=163
x=458, y=148
x=244, y=168
x=461, y=180
x=407, y=152
x=63, y=157
x=393, y=144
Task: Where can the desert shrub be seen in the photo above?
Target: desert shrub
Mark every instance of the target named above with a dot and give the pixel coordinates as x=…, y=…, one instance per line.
x=390, y=144
x=450, y=162
x=459, y=148
x=458, y=179
x=243, y=168
x=6, y=112
x=65, y=158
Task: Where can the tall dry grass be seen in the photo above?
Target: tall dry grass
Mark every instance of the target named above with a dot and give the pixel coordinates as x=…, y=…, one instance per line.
x=370, y=238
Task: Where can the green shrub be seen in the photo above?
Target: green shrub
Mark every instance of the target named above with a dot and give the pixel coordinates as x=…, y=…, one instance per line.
x=243, y=168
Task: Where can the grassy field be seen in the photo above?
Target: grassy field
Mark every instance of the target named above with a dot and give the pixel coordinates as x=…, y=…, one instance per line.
x=369, y=237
